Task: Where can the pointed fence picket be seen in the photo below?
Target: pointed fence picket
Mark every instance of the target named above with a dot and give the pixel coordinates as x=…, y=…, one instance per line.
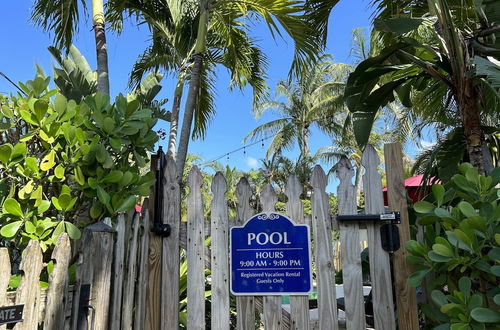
x=195, y=253
x=350, y=248
x=380, y=265
x=245, y=305
x=325, y=272
x=299, y=305
x=272, y=304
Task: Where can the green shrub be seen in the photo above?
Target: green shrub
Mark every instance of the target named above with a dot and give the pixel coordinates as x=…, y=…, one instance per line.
x=460, y=254
x=64, y=165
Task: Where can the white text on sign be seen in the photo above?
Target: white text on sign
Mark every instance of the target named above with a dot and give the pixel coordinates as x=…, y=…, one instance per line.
x=275, y=238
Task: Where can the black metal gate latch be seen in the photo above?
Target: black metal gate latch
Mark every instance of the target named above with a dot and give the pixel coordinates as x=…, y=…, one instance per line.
x=160, y=228
x=389, y=232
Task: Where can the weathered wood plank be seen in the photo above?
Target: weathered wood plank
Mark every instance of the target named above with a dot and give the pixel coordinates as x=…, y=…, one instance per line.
x=272, y=304
x=325, y=271
x=142, y=280
x=58, y=285
x=220, y=254
x=406, y=299
x=153, y=296
x=118, y=273
x=245, y=305
x=11, y=300
x=380, y=265
x=350, y=248
x=101, y=254
x=195, y=253
x=170, y=263
x=299, y=305
x=130, y=277
x=5, y=270
x=28, y=292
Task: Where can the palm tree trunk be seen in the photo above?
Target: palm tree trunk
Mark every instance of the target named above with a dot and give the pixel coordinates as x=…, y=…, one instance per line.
x=194, y=86
x=174, y=118
x=305, y=141
x=101, y=46
x=357, y=182
x=471, y=121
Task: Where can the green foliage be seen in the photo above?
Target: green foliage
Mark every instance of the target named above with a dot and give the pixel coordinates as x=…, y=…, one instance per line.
x=462, y=239
x=427, y=47
x=65, y=164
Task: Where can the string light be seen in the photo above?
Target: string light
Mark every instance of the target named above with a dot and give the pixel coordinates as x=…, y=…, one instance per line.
x=261, y=141
x=236, y=150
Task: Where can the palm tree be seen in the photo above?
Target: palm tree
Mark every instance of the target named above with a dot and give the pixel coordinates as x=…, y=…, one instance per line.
x=223, y=38
x=315, y=99
x=62, y=17
x=440, y=66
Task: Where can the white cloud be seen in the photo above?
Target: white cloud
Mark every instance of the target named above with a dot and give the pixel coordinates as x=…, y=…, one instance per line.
x=252, y=163
x=425, y=145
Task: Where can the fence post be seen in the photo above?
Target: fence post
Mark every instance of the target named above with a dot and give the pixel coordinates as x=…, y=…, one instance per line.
x=55, y=307
x=299, y=305
x=325, y=271
x=273, y=317
x=350, y=248
x=118, y=272
x=195, y=253
x=406, y=298
x=220, y=254
x=28, y=292
x=97, y=263
x=4, y=278
x=170, y=265
x=129, y=285
x=245, y=305
x=380, y=265
x=142, y=280
x=153, y=296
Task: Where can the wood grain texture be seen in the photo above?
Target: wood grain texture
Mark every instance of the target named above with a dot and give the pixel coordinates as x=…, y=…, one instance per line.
x=350, y=248
x=130, y=275
x=143, y=270
x=195, y=253
x=153, y=296
x=220, y=254
x=118, y=273
x=245, y=305
x=325, y=271
x=75, y=316
x=272, y=304
x=380, y=265
x=299, y=305
x=28, y=292
x=102, y=256
x=406, y=299
x=58, y=285
x=170, y=250
x=5, y=270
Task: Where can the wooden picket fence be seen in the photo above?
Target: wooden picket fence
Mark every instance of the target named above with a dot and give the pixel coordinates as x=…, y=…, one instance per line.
x=191, y=236
x=128, y=277
x=112, y=263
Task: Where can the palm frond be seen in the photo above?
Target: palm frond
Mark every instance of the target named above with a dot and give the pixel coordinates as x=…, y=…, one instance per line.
x=267, y=129
x=60, y=16
x=205, y=109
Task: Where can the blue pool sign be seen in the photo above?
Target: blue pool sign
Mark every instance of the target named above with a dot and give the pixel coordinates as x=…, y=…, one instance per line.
x=270, y=255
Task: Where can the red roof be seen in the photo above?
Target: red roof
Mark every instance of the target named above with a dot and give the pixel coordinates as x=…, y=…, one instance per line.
x=415, y=181
x=412, y=184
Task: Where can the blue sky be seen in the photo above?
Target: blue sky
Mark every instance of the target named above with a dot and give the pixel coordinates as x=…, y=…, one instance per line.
x=23, y=45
